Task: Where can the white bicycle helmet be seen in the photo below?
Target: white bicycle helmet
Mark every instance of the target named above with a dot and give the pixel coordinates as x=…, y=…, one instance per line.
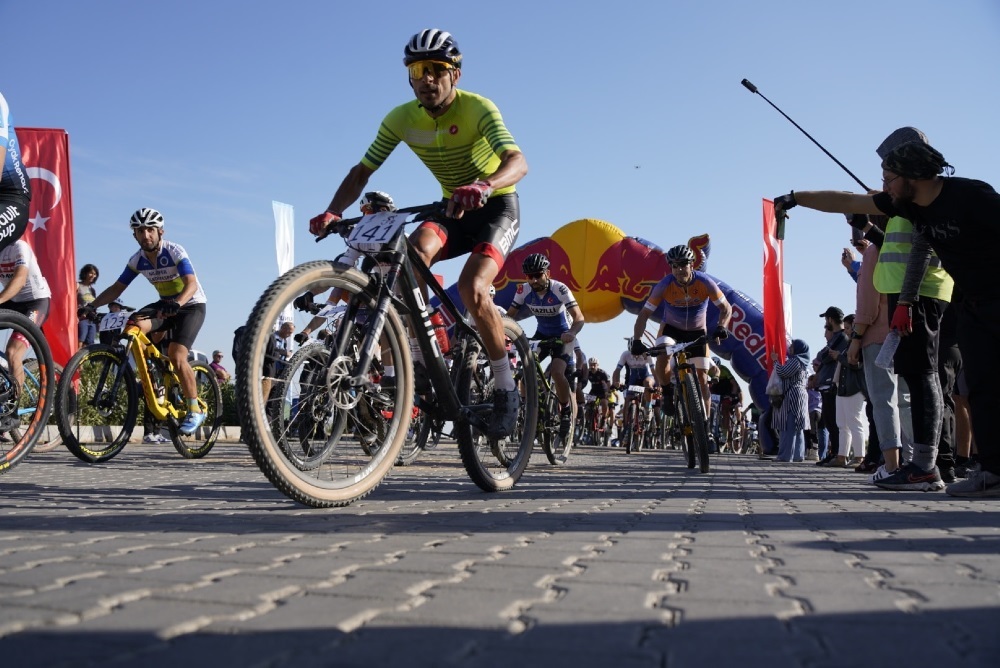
x=146, y=217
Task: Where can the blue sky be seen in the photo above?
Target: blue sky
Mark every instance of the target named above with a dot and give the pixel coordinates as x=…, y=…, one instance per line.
x=630, y=112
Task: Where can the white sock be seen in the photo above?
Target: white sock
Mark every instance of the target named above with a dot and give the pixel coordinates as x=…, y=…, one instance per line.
x=502, y=375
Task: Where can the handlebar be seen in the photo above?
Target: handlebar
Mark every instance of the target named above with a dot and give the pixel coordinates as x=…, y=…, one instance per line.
x=423, y=212
x=663, y=349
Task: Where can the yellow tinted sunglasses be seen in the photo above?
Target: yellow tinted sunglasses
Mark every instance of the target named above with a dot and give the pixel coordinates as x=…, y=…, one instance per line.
x=420, y=69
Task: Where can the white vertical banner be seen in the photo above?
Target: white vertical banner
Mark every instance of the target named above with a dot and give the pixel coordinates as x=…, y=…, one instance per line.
x=786, y=289
x=284, y=241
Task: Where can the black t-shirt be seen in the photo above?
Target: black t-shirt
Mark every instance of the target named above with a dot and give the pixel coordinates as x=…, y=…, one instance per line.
x=962, y=225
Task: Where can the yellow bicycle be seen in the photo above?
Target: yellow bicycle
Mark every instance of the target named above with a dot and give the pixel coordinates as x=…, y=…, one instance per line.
x=689, y=409
x=97, y=400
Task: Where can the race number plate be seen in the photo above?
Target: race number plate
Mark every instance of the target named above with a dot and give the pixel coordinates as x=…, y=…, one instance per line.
x=372, y=232
x=114, y=322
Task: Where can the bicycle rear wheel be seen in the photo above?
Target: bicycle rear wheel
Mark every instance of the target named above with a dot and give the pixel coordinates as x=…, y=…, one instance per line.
x=25, y=407
x=495, y=465
x=416, y=438
x=96, y=418
x=198, y=444
x=333, y=469
x=695, y=410
x=30, y=391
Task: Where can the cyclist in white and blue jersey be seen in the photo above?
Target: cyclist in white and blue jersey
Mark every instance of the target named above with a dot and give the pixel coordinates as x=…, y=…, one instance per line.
x=180, y=309
x=15, y=186
x=559, y=317
x=640, y=372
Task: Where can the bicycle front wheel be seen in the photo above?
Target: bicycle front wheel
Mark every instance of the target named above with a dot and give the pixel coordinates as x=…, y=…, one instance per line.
x=312, y=451
x=198, y=444
x=548, y=420
x=96, y=417
x=696, y=414
x=496, y=465
x=25, y=406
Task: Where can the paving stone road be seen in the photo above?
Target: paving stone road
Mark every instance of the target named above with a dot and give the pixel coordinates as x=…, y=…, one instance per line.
x=612, y=560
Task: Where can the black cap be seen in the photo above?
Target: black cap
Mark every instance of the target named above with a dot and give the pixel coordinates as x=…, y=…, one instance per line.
x=833, y=312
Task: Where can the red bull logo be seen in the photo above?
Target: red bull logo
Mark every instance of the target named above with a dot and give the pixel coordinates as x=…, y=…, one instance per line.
x=631, y=268
x=560, y=266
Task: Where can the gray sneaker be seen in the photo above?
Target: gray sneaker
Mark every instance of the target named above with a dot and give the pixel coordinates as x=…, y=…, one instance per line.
x=506, y=404
x=979, y=484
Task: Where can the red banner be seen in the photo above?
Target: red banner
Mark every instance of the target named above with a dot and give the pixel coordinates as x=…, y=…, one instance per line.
x=774, y=280
x=45, y=154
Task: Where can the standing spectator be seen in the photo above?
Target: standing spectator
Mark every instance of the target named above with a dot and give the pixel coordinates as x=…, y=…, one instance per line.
x=85, y=293
x=825, y=376
x=216, y=364
x=850, y=407
x=817, y=438
x=283, y=346
x=791, y=418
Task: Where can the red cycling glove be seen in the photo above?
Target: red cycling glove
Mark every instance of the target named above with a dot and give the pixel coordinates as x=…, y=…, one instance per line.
x=472, y=196
x=318, y=224
x=902, y=318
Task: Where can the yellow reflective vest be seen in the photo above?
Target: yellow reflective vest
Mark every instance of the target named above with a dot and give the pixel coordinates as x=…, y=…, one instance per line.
x=891, y=266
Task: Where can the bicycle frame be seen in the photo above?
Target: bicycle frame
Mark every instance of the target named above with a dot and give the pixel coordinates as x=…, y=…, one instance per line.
x=400, y=288
x=141, y=349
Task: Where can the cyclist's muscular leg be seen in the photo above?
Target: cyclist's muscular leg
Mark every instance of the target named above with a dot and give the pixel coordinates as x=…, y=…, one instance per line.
x=559, y=380
x=474, y=288
x=178, y=355
x=428, y=244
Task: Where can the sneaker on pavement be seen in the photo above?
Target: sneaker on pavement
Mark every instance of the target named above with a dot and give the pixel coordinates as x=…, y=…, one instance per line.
x=880, y=474
x=947, y=474
x=979, y=484
x=191, y=422
x=967, y=468
x=912, y=477
x=812, y=454
x=506, y=404
x=153, y=438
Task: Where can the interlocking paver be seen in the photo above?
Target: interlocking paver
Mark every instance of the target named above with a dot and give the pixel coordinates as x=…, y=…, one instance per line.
x=152, y=560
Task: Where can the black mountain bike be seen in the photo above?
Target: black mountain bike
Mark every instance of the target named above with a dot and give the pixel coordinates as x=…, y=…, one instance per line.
x=689, y=409
x=322, y=453
x=555, y=447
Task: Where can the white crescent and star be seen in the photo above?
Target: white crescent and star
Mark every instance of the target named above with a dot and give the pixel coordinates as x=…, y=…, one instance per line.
x=38, y=221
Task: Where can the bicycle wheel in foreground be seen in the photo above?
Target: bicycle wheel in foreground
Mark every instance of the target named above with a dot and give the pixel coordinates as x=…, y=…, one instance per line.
x=24, y=408
x=96, y=417
x=696, y=414
x=198, y=444
x=497, y=464
x=311, y=448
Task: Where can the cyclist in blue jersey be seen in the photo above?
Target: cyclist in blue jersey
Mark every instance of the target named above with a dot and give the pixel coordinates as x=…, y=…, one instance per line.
x=15, y=186
x=559, y=317
x=181, y=308
x=684, y=295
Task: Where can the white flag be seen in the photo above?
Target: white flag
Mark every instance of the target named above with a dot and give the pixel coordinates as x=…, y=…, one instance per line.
x=284, y=241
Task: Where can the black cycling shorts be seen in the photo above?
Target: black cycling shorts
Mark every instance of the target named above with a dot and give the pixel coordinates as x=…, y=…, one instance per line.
x=490, y=231
x=182, y=328
x=683, y=336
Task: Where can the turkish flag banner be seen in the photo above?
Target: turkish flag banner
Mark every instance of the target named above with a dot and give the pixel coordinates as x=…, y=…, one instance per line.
x=45, y=154
x=774, y=302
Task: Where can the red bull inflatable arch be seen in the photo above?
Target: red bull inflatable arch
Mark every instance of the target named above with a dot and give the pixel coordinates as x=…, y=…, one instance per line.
x=610, y=272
